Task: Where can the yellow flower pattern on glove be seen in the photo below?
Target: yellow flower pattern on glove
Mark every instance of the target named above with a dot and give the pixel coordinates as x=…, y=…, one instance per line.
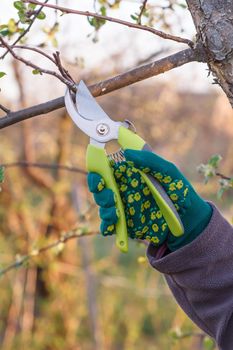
x=146, y=191
x=134, y=183
x=143, y=217
x=132, y=211
x=172, y=187
x=137, y=196
x=123, y=188
x=130, y=198
x=167, y=179
x=100, y=186
x=179, y=184
x=174, y=197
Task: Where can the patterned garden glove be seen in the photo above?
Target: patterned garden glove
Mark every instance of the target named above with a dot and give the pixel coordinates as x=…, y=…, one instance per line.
x=144, y=219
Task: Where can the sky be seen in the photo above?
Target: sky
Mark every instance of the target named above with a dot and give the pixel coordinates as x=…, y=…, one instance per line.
x=75, y=41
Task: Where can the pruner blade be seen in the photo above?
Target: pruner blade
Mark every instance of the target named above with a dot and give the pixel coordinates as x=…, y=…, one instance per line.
x=87, y=105
x=87, y=114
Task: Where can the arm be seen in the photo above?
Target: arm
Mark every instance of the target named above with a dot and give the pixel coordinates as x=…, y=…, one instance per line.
x=200, y=276
x=198, y=266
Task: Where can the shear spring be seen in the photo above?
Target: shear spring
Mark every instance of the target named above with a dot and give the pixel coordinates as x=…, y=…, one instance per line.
x=117, y=157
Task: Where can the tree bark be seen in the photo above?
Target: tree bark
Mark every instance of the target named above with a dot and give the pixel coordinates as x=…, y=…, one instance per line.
x=213, y=20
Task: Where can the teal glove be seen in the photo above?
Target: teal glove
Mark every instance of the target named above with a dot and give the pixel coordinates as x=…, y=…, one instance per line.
x=144, y=219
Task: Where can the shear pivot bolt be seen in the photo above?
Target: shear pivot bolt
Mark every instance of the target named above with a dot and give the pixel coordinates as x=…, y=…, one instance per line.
x=102, y=129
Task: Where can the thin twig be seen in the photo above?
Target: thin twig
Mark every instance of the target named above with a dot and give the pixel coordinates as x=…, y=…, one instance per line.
x=44, y=166
x=143, y=7
x=3, y=108
x=34, y=66
x=117, y=82
x=21, y=260
x=223, y=176
x=35, y=49
x=191, y=334
x=115, y=20
x=27, y=29
x=64, y=72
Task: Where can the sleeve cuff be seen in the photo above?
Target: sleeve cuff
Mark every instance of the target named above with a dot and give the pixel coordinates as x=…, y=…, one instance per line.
x=190, y=254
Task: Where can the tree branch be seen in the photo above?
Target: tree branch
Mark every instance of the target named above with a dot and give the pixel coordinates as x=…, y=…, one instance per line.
x=31, y=48
x=4, y=109
x=54, y=166
x=22, y=260
x=114, y=20
x=143, y=8
x=222, y=176
x=125, y=79
x=64, y=80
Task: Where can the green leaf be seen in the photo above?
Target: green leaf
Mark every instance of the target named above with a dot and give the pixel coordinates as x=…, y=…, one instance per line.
x=31, y=6
x=231, y=182
x=215, y=160
x=135, y=18
x=41, y=15
x=103, y=10
x=4, y=32
x=176, y=333
x=2, y=74
x=36, y=71
x=182, y=6
x=3, y=26
x=19, y=5
x=208, y=343
x=1, y=173
x=22, y=17
x=207, y=170
x=12, y=26
x=220, y=192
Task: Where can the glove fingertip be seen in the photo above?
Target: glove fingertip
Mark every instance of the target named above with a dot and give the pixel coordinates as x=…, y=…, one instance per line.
x=95, y=182
x=105, y=198
x=109, y=214
x=106, y=228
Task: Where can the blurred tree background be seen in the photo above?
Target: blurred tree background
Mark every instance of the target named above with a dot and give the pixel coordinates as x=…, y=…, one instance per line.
x=82, y=293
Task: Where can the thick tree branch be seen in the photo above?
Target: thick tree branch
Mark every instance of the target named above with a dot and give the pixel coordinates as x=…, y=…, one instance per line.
x=115, y=20
x=125, y=79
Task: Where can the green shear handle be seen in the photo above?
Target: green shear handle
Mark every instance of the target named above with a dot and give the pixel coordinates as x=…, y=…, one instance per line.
x=97, y=161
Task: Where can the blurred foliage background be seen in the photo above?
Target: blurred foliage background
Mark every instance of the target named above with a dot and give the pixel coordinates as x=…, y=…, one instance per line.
x=84, y=294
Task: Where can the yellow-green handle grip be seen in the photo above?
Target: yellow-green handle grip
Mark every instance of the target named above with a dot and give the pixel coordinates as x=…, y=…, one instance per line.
x=98, y=162
x=128, y=139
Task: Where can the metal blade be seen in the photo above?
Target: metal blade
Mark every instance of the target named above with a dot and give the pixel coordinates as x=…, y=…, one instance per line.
x=83, y=124
x=86, y=104
x=92, y=127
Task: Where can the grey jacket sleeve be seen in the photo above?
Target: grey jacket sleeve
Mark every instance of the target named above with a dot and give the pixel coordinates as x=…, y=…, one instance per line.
x=200, y=276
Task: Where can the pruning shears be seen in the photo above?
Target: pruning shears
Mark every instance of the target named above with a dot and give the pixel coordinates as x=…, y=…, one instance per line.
x=88, y=115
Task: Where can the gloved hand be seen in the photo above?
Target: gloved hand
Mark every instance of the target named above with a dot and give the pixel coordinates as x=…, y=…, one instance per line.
x=143, y=217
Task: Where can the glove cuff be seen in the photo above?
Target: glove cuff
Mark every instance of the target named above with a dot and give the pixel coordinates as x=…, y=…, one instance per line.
x=200, y=214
